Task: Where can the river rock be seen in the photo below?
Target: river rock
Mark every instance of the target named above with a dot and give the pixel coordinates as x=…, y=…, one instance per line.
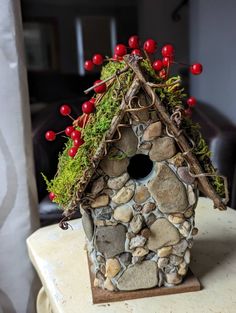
x=177, y=160
x=146, y=233
x=145, y=146
x=141, y=194
x=189, y=212
x=118, y=182
x=137, y=241
x=124, y=195
x=114, y=167
x=176, y=218
x=194, y=231
x=180, y=248
x=162, y=148
x=128, y=142
x=140, y=251
x=164, y=252
x=168, y=190
x=148, y=207
x=151, y=218
x=187, y=256
x=112, y=268
x=100, y=201
x=184, y=175
x=110, y=240
x=163, y=233
x=103, y=213
x=123, y=213
x=108, y=285
x=136, y=223
x=182, y=271
x=98, y=185
x=152, y=131
x=139, y=276
x=173, y=278
x=87, y=225
x=162, y=262
x=175, y=259
x=125, y=258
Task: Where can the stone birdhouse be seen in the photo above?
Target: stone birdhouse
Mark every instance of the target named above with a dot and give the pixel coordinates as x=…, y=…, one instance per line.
x=135, y=179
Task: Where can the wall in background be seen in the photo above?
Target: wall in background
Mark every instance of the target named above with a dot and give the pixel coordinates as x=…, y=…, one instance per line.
x=212, y=42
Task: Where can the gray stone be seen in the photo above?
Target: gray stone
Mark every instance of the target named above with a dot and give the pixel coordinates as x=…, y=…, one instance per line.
x=141, y=194
x=187, y=256
x=162, y=148
x=125, y=258
x=103, y=213
x=118, y=182
x=148, y=207
x=184, y=175
x=175, y=260
x=162, y=262
x=150, y=219
x=100, y=201
x=163, y=233
x=123, y=213
x=150, y=255
x=137, y=241
x=180, y=248
x=168, y=190
x=161, y=278
x=128, y=142
x=139, y=276
x=152, y=131
x=136, y=223
x=124, y=195
x=110, y=240
x=98, y=185
x=137, y=259
x=173, y=278
x=87, y=225
x=114, y=167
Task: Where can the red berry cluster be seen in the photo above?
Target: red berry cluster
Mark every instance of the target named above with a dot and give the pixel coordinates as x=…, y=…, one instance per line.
x=96, y=60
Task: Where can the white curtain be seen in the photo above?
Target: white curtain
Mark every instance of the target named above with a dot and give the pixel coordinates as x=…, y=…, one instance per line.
x=18, y=200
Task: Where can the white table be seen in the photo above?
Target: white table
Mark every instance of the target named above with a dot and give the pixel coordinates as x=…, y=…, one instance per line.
x=60, y=260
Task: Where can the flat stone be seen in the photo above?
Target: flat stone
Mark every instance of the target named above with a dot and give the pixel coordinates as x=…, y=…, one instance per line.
x=136, y=223
x=140, y=251
x=164, y=252
x=173, y=278
x=180, y=248
x=124, y=195
x=137, y=241
x=112, y=268
x=123, y=213
x=176, y=218
x=152, y=131
x=108, y=285
x=163, y=233
x=148, y=207
x=103, y=213
x=162, y=149
x=114, y=167
x=141, y=194
x=110, y=240
x=150, y=219
x=87, y=223
x=184, y=175
x=125, y=258
x=118, y=182
x=128, y=142
x=168, y=190
x=100, y=201
x=139, y=276
x=98, y=185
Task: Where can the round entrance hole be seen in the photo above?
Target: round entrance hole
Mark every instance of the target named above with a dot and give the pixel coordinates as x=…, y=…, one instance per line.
x=139, y=166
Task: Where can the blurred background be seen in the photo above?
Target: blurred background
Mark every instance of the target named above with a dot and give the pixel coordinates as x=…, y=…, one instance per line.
x=59, y=35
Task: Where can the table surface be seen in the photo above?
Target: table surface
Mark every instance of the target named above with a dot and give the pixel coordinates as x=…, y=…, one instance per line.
x=60, y=260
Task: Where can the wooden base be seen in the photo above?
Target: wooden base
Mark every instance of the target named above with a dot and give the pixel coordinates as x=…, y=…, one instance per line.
x=189, y=284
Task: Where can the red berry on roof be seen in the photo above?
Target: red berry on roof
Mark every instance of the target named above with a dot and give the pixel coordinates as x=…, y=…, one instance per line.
x=150, y=46
x=78, y=142
x=88, y=65
x=72, y=152
x=69, y=130
x=120, y=50
x=88, y=107
x=117, y=57
x=166, y=61
x=134, y=42
x=76, y=134
x=191, y=101
x=100, y=89
x=157, y=65
x=137, y=52
x=163, y=74
x=65, y=110
x=51, y=196
x=196, y=68
x=167, y=51
x=98, y=59
x=93, y=100
x=50, y=135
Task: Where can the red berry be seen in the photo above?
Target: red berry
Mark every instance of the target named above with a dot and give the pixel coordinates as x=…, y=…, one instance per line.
x=163, y=74
x=50, y=135
x=100, y=89
x=72, y=151
x=117, y=57
x=69, y=130
x=137, y=52
x=92, y=100
x=166, y=61
x=65, y=110
x=188, y=112
x=97, y=59
x=120, y=50
x=76, y=134
x=196, y=68
x=157, y=65
x=191, y=101
x=78, y=142
x=134, y=42
x=88, y=65
x=167, y=51
x=88, y=107
x=150, y=46
x=51, y=196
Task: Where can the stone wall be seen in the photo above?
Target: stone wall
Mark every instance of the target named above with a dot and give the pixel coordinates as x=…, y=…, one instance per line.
x=139, y=231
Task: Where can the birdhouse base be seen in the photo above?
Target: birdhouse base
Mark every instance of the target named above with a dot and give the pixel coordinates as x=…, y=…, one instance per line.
x=189, y=284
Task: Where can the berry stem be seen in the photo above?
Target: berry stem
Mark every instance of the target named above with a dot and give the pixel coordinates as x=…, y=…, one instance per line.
x=60, y=132
x=70, y=117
